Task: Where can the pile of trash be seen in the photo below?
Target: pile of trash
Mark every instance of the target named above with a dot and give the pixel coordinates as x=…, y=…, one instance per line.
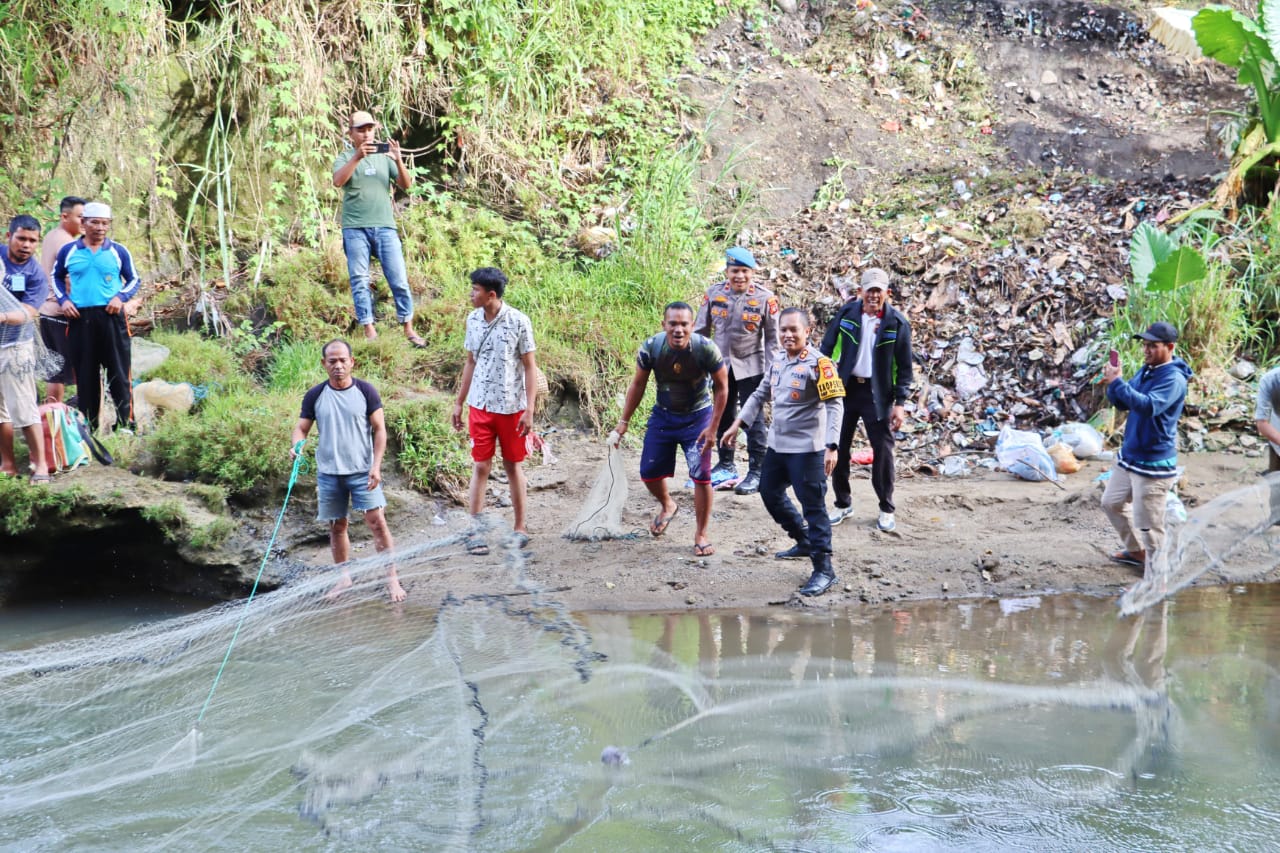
x=1010, y=299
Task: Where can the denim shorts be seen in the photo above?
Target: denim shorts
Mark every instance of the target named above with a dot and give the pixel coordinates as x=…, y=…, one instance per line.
x=337, y=494
x=664, y=433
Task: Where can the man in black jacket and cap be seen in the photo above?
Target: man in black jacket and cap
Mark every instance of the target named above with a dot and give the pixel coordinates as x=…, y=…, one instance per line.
x=870, y=341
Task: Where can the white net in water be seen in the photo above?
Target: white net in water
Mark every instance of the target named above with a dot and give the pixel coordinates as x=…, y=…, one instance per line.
x=1234, y=537
x=601, y=514
x=23, y=351
x=361, y=720
x=492, y=722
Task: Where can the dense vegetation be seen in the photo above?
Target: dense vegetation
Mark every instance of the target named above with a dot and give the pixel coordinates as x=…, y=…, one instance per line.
x=211, y=127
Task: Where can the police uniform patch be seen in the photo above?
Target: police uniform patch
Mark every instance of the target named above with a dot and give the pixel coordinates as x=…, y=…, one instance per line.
x=829, y=384
x=795, y=395
x=773, y=304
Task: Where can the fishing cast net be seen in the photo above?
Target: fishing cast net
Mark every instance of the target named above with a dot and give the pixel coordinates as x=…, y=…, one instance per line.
x=601, y=514
x=1233, y=537
x=500, y=722
x=28, y=356
x=358, y=719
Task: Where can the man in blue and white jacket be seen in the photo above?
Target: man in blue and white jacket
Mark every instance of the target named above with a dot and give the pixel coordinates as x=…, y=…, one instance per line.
x=1148, y=460
x=93, y=278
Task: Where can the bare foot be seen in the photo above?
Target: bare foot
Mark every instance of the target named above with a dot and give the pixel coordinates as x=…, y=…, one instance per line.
x=339, y=588
x=397, y=591
x=370, y=332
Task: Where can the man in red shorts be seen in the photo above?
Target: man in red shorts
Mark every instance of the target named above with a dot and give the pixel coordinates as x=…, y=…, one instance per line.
x=499, y=389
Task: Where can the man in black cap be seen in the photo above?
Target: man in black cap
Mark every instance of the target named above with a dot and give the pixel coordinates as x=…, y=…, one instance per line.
x=870, y=341
x=742, y=318
x=1147, y=465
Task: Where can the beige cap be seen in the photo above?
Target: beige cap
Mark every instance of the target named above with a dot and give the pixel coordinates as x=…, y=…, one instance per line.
x=875, y=277
x=360, y=118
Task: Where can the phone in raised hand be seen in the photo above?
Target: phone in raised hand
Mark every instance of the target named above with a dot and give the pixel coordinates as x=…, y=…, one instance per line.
x=1114, y=358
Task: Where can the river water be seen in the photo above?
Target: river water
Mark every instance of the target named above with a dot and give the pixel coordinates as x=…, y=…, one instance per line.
x=1042, y=723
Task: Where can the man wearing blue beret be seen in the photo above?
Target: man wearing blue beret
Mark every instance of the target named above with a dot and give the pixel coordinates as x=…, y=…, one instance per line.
x=742, y=318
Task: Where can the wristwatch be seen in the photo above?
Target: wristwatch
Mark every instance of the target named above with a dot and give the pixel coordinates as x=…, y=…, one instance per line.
x=833, y=447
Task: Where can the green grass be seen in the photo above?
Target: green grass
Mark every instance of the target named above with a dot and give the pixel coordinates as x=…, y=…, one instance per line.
x=22, y=505
x=237, y=440
x=198, y=361
x=170, y=516
x=430, y=453
x=211, y=535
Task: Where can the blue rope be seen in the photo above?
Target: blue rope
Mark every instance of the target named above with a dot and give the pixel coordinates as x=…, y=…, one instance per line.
x=293, y=478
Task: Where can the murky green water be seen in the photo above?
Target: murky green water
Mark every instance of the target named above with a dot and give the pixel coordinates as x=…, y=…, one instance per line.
x=1042, y=724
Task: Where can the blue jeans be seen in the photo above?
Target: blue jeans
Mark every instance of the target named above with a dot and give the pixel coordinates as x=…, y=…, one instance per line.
x=359, y=244
x=804, y=473
x=338, y=494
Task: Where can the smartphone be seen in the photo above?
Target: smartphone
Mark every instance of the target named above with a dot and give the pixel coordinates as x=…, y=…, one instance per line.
x=1114, y=358
x=381, y=147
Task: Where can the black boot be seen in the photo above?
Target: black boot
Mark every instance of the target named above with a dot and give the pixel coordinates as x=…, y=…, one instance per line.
x=822, y=578
x=798, y=551
x=751, y=483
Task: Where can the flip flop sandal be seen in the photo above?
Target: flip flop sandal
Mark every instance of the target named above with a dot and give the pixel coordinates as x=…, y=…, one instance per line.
x=1127, y=559
x=660, y=522
x=418, y=343
x=704, y=550
x=476, y=546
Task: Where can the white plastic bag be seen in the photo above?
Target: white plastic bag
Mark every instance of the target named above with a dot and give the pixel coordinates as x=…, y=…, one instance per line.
x=1022, y=454
x=1085, y=441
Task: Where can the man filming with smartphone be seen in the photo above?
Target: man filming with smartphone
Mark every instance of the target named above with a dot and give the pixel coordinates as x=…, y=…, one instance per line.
x=365, y=172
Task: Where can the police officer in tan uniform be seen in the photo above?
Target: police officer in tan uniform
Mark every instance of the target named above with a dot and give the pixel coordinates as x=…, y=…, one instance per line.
x=741, y=317
x=808, y=409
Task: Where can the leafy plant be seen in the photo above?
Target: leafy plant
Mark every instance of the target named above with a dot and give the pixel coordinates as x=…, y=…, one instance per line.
x=1250, y=46
x=1159, y=264
x=1241, y=42
x=1174, y=282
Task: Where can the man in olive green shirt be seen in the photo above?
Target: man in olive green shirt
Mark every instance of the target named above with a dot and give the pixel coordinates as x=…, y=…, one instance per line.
x=365, y=176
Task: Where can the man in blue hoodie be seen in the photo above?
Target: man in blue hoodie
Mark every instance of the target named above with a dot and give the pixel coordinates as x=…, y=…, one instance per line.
x=1148, y=460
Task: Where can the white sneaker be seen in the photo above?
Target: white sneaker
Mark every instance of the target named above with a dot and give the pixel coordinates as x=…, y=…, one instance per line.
x=886, y=522
x=839, y=514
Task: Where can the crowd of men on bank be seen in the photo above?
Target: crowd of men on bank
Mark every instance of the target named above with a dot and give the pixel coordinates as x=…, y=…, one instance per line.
x=715, y=369
x=75, y=295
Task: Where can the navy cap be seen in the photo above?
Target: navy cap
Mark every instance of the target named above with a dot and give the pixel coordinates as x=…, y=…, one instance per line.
x=1165, y=333
x=739, y=257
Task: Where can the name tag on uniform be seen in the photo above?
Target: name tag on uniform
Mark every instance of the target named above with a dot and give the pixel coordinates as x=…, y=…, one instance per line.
x=17, y=283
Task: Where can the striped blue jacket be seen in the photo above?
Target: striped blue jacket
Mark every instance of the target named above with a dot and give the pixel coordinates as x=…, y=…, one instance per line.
x=89, y=278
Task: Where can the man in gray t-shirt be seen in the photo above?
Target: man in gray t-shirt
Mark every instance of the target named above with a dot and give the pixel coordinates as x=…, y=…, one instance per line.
x=353, y=439
x=1266, y=416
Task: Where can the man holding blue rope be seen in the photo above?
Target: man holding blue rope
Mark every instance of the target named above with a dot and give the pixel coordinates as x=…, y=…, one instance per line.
x=353, y=439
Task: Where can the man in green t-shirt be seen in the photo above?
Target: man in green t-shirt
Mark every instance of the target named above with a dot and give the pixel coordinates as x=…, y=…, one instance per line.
x=365, y=175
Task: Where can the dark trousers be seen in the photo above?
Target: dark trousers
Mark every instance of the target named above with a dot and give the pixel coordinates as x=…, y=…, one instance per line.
x=803, y=473
x=858, y=403
x=740, y=390
x=101, y=341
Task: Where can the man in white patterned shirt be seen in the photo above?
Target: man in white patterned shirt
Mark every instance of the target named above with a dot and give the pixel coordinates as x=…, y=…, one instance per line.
x=499, y=388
